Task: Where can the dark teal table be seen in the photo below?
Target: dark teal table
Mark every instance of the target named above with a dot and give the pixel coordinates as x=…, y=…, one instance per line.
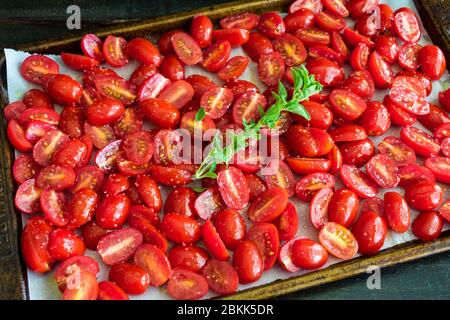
x=23, y=21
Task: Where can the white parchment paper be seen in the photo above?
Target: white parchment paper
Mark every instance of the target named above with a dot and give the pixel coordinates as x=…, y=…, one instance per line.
x=44, y=287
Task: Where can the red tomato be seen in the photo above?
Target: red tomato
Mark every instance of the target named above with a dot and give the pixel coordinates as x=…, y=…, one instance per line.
x=150, y=233
x=165, y=42
x=314, y=6
x=113, y=211
x=116, y=88
x=145, y=71
x=55, y=177
x=16, y=136
x=149, y=192
x=234, y=68
x=442, y=131
x=200, y=83
x=188, y=257
x=386, y=18
x=271, y=24
x=444, y=99
x=305, y=166
x=353, y=38
x=313, y=37
x=432, y=61
x=186, y=285
x=424, y=196
x=435, y=118
x=376, y=119
x=53, y=204
x=13, y=110
x=82, y=207
x=323, y=51
x=138, y=147
x=367, y=24
x=86, y=288
x=397, y=212
x=291, y=48
x=246, y=20
x=321, y=116
x=338, y=241
x=361, y=83
x=343, y=207
x=180, y=229
x=71, y=154
x=178, y=93
x=310, y=184
x=105, y=111
x=153, y=260
x=271, y=68
x=186, y=48
x=138, y=211
x=309, y=142
x=91, y=45
x=336, y=6
x=71, y=121
x=110, y=291
x=420, y=141
x=308, y=254
x=269, y=205
x=413, y=174
x=131, y=278
x=319, y=207
x=233, y=188
x=327, y=72
x=63, y=244
x=256, y=186
x=387, y=48
x=408, y=56
x=248, y=262
x=111, y=248
x=34, y=240
x=171, y=176
x=172, y=68
x=302, y=18
x=160, y=112
x=213, y=242
x=221, y=276
x=35, y=98
x=373, y=204
x=79, y=62
x=92, y=234
x=399, y=116
x=34, y=67
x=246, y=107
x=62, y=89
x=287, y=223
x=380, y=70
x=202, y=30
x=25, y=168
x=285, y=256
x=236, y=37
x=370, y=231
x=279, y=174
x=383, y=171
x=152, y=86
x=181, y=200
x=427, y=226
x=339, y=46
x=265, y=236
x=335, y=157
x=88, y=177
x=216, y=56
x=66, y=270
x=358, y=182
x=230, y=226
x=397, y=151
x=440, y=167
x=409, y=94
x=330, y=21
x=106, y=158
x=257, y=45
x=216, y=101
x=348, y=132
x=346, y=104
x=406, y=25
x=115, y=51
x=445, y=147
x=357, y=152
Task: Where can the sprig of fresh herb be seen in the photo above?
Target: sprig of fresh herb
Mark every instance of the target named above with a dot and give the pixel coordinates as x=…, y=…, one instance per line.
x=304, y=86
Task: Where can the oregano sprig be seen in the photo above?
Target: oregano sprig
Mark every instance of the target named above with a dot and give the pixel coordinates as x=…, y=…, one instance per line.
x=304, y=86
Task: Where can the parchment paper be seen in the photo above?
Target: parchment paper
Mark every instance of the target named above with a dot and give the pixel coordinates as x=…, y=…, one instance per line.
x=44, y=287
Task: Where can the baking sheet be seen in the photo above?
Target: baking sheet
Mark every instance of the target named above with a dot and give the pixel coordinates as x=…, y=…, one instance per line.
x=44, y=287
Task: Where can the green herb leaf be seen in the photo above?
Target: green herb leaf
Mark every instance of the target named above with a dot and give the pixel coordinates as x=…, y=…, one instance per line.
x=198, y=189
x=200, y=115
x=304, y=86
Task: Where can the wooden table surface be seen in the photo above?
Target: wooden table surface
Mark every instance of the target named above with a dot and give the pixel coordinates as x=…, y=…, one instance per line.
x=23, y=21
